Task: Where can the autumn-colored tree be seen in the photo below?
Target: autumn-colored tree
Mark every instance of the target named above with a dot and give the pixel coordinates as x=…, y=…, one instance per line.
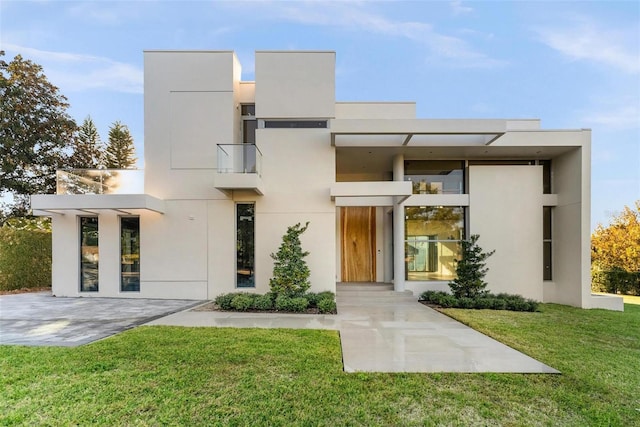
x=617, y=246
x=36, y=132
x=120, y=152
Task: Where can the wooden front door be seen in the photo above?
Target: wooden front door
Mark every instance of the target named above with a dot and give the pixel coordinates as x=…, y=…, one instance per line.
x=358, y=240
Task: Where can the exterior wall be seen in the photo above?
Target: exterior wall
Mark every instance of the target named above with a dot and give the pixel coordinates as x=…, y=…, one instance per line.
x=505, y=209
x=65, y=250
x=296, y=191
x=293, y=84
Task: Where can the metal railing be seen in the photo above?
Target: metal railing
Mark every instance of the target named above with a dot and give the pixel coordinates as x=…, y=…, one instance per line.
x=100, y=181
x=239, y=158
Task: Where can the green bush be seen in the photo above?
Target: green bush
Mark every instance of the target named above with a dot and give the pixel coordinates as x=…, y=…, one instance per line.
x=486, y=301
x=242, y=302
x=312, y=298
x=263, y=302
x=326, y=295
x=224, y=301
x=616, y=280
x=327, y=306
x=25, y=258
x=290, y=270
x=295, y=305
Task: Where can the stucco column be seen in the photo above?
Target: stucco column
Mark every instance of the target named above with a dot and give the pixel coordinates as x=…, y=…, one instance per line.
x=398, y=229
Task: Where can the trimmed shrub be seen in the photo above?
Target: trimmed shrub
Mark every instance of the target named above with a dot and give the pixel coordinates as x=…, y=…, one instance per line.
x=327, y=306
x=242, y=302
x=296, y=305
x=25, y=258
x=616, y=280
x=485, y=302
x=290, y=270
x=263, y=302
x=326, y=295
x=224, y=301
x=312, y=298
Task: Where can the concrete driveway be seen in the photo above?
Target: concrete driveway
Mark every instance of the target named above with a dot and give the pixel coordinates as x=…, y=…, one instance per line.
x=40, y=319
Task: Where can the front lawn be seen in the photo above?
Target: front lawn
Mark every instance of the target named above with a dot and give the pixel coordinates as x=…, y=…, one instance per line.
x=206, y=376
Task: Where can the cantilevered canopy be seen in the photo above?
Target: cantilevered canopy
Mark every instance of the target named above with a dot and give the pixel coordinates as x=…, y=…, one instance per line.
x=48, y=204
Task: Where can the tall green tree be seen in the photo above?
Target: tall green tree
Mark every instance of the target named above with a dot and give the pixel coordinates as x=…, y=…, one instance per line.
x=120, y=152
x=88, y=151
x=290, y=270
x=36, y=132
x=470, y=269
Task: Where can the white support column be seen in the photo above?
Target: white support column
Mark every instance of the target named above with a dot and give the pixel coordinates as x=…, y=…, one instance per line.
x=398, y=229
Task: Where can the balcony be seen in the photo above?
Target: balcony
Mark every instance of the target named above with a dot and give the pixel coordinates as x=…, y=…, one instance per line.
x=100, y=181
x=239, y=168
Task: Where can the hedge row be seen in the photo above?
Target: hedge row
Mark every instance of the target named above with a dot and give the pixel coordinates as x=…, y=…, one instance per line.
x=242, y=301
x=616, y=281
x=485, y=301
x=25, y=258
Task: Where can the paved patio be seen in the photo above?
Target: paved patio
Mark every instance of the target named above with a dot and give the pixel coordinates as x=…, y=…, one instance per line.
x=43, y=320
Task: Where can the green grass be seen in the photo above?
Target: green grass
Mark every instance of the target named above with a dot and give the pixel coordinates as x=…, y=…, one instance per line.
x=206, y=376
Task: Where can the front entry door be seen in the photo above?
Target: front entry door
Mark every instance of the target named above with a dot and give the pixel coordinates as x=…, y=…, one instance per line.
x=358, y=240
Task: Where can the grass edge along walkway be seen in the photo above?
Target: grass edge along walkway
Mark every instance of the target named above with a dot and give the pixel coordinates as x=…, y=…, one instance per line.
x=208, y=376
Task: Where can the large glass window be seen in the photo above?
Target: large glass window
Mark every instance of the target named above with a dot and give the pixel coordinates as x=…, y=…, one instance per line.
x=432, y=241
x=130, y=254
x=89, y=254
x=546, y=243
x=245, y=247
x=435, y=176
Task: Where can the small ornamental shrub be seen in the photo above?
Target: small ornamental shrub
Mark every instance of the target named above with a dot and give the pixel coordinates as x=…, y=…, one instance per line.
x=299, y=304
x=326, y=295
x=312, y=298
x=224, y=301
x=263, y=302
x=470, y=270
x=242, y=302
x=290, y=270
x=487, y=301
x=327, y=306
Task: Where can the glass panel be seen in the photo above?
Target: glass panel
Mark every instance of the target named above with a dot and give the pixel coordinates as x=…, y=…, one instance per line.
x=248, y=109
x=130, y=254
x=547, y=258
x=432, y=241
x=245, y=223
x=546, y=176
x=249, y=131
x=100, y=181
x=239, y=158
x=546, y=223
x=89, y=254
x=435, y=176
x=295, y=124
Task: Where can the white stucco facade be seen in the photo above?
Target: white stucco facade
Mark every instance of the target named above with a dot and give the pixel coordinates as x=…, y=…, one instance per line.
x=229, y=165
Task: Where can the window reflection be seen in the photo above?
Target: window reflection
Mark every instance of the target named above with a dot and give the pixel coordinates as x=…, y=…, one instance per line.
x=130, y=254
x=89, y=254
x=245, y=219
x=432, y=241
x=435, y=176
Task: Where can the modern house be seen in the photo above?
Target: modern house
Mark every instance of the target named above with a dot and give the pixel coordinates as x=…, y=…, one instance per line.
x=230, y=164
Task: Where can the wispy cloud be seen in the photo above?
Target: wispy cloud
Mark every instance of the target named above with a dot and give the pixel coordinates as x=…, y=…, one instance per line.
x=360, y=17
x=620, y=117
x=459, y=9
x=589, y=41
x=79, y=72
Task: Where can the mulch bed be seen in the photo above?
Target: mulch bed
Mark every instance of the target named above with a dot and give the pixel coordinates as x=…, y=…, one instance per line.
x=211, y=306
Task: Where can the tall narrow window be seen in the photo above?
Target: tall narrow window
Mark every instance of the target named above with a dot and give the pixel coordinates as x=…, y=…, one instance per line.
x=249, y=126
x=89, y=254
x=245, y=247
x=546, y=243
x=130, y=254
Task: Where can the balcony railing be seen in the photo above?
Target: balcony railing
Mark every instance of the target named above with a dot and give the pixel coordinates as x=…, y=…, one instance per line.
x=239, y=158
x=100, y=181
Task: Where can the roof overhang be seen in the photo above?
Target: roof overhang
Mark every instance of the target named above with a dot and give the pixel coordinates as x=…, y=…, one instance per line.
x=48, y=204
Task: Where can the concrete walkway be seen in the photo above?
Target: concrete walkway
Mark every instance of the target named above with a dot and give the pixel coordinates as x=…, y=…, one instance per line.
x=383, y=331
x=43, y=320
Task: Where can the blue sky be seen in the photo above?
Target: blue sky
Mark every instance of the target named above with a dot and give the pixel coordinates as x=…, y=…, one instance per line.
x=571, y=64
